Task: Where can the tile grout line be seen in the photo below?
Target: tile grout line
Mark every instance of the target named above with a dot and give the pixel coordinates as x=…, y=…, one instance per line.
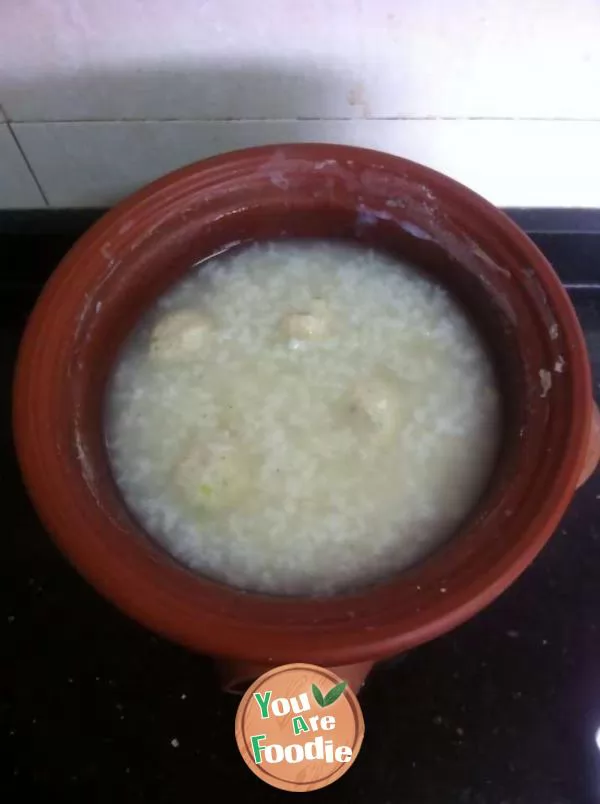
x=27, y=162
x=375, y=118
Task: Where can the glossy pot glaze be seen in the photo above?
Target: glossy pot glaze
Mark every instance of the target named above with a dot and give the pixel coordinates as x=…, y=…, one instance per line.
x=138, y=249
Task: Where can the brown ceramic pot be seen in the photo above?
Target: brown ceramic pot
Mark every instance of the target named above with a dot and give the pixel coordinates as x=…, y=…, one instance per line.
x=135, y=251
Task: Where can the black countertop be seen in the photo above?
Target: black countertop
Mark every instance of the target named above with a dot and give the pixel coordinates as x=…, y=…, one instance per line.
x=504, y=710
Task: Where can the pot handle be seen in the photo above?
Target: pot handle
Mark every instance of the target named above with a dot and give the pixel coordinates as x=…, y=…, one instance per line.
x=592, y=455
x=236, y=674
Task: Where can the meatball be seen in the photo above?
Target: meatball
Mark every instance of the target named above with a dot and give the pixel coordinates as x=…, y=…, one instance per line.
x=213, y=477
x=378, y=403
x=312, y=324
x=180, y=336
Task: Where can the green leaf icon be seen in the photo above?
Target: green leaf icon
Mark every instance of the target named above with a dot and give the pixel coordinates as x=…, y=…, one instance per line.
x=334, y=693
x=318, y=695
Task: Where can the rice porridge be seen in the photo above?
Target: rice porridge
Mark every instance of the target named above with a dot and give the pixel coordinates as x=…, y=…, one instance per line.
x=302, y=418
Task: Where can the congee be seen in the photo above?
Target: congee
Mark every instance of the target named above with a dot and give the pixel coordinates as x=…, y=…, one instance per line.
x=302, y=418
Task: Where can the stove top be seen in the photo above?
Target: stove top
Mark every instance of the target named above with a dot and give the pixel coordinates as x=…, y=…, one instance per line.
x=504, y=710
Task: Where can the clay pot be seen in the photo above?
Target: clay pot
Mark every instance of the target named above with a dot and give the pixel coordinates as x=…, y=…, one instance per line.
x=135, y=251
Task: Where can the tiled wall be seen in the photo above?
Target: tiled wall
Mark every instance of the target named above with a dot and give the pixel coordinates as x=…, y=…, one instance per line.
x=101, y=96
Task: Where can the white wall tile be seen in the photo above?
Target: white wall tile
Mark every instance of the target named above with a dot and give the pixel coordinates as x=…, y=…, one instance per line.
x=138, y=59
x=404, y=77
x=17, y=187
x=155, y=59
x=513, y=163
x=481, y=58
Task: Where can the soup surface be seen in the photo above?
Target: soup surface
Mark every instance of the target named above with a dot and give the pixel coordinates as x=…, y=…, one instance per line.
x=302, y=418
